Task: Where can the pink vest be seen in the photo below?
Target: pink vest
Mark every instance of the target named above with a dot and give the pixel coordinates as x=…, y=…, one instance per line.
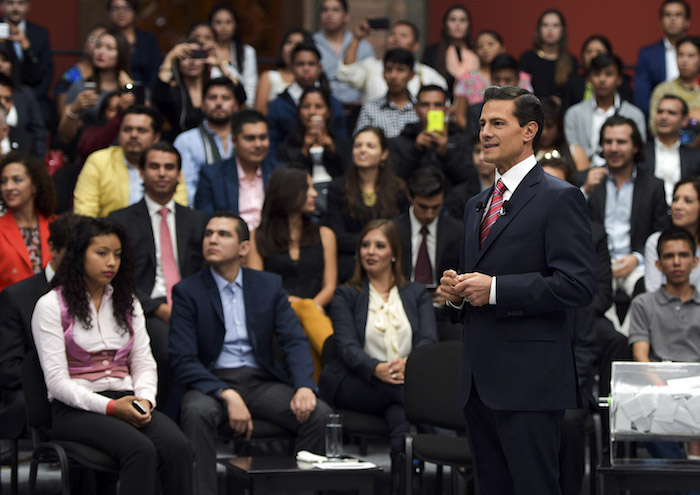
x=92, y=365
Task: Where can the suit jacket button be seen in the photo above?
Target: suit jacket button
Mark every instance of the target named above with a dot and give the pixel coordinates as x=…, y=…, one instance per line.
x=14, y=271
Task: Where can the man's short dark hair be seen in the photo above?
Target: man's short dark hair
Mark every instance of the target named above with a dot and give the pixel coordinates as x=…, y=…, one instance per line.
x=236, y=88
x=684, y=105
x=247, y=116
x=431, y=87
x=426, y=182
x=400, y=56
x=411, y=26
x=604, y=60
x=637, y=140
x=61, y=228
x=139, y=109
x=682, y=2
x=526, y=106
x=6, y=82
x=676, y=234
x=343, y=3
x=241, y=228
x=504, y=61
x=134, y=4
x=163, y=146
x=304, y=47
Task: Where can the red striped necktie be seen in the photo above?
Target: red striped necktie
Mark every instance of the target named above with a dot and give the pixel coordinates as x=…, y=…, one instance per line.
x=494, y=212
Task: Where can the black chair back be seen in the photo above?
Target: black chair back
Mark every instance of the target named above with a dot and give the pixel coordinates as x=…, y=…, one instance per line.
x=35, y=395
x=430, y=389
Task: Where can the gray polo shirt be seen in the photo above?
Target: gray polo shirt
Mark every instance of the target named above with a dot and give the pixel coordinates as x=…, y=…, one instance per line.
x=671, y=327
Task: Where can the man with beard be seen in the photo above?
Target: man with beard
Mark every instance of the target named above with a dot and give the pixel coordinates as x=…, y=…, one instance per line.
x=210, y=142
x=110, y=178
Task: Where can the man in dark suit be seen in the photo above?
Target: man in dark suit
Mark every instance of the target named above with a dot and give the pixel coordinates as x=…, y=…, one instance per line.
x=16, y=306
x=527, y=259
x=638, y=209
x=159, y=263
x=31, y=43
x=223, y=327
x=657, y=62
x=238, y=183
x=665, y=156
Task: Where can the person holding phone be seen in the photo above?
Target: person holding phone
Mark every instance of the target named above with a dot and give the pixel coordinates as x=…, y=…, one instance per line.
x=100, y=374
x=433, y=142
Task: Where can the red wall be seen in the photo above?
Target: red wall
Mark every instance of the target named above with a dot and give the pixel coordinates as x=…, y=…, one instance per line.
x=628, y=24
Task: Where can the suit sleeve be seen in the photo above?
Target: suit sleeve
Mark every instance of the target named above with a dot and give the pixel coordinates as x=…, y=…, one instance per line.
x=204, y=197
x=184, y=346
x=642, y=82
x=350, y=349
x=570, y=260
x=14, y=345
x=86, y=195
x=603, y=294
x=426, y=313
x=36, y=126
x=39, y=55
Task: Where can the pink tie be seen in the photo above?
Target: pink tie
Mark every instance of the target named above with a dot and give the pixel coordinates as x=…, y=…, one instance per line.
x=494, y=212
x=167, y=256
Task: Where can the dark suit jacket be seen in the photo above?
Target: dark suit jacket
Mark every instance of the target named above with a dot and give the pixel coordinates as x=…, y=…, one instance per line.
x=349, y=314
x=449, y=239
x=690, y=160
x=649, y=209
x=39, y=55
x=197, y=331
x=189, y=232
x=30, y=134
x=218, y=185
x=650, y=71
x=16, y=308
x=518, y=352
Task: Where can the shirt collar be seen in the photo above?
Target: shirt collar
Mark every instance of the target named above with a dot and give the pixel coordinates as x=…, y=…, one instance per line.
x=386, y=103
x=673, y=147
x=241, y=173
x=611, y=179
x=126, y=162
x=514, y=175
x=416, y=225
x=668, y=46
x=154, y=208
x=222, y=283
x=49, y=272
x=616, y=102
x=664, y=297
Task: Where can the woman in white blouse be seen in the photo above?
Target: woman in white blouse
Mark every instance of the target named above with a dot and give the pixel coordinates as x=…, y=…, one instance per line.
x=378, y=317
x=100, y=374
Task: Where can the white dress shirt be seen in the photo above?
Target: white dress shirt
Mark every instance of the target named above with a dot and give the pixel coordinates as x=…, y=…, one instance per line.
x=668, y=165
x=159, y=289
x=599, y=118
x=672, y=71
x=417, y=240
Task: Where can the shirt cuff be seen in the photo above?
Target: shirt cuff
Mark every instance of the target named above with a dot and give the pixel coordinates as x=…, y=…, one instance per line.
x=640, y=258
x=454, y=306
x=492, y=294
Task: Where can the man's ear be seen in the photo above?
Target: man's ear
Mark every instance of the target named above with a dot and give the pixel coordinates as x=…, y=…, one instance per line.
x=531, y=129
x=244, y=249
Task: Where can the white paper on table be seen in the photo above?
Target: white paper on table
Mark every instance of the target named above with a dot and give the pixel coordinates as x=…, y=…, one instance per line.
x=642, y=424
x=345, y=465
x=666, y=408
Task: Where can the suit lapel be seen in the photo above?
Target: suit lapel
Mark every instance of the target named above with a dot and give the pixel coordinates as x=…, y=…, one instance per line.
x=471, y=230
x=361, y=309
x=180, y=236
x=142, y=219
x=230, y=172
x=213, y=294
x=250, y=303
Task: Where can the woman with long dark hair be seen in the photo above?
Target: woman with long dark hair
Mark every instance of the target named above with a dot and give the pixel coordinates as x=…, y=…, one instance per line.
x=553, y=143
x=27, y=205
x=549, y=62
x=90, y=334
x=288, y=242
x=369, y=190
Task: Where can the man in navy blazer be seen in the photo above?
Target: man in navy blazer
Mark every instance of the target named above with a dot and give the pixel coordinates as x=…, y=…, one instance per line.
x=653, y=66
x=223, y=329
x=238, y=183
x=527, y=263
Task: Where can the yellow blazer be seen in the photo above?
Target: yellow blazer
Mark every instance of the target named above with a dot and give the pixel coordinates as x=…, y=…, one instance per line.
x=103, y=184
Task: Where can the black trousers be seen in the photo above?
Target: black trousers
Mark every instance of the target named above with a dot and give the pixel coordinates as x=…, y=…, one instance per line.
x=159, y=450
x=514, y=452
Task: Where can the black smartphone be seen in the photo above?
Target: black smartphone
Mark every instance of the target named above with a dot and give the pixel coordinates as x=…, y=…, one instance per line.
x=379, y=23
x=198, y=53
x=139, y=91
x=138, y=407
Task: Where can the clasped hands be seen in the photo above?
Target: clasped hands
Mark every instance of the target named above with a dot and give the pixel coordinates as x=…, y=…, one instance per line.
x=475, y=288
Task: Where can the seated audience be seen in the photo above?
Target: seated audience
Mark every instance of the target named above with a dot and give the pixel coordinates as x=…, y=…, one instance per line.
x=549, y=62
x=91, y=339
x=238, y=183
x=313, y=144
x=210, y=142
x=686, y=86
x=110, y=178
x=290, y=244
x=369, y=190
x=553, y=141
x=223, y=329
x=81, y=70
x=685, y=214
x=104, y=133
x=282, y=111
x=111, y=62
x=28, y=133
x=367, y=75
x=396, y=108
x=582, y=122
x=422, y=145
x=666, y=156
x=167, y=242
x=27, y=200
x=240, y=59
x=457, y=197
x=273, y=82
x=656, y=62
x=143, y=45
x=378, y=318
x=16, y=306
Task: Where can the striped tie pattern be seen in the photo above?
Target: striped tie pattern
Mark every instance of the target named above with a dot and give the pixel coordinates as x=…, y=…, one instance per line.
x=494, y=212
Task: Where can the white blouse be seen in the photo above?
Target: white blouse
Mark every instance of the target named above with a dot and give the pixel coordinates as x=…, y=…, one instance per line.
x=104, y=334
x=388, y=333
